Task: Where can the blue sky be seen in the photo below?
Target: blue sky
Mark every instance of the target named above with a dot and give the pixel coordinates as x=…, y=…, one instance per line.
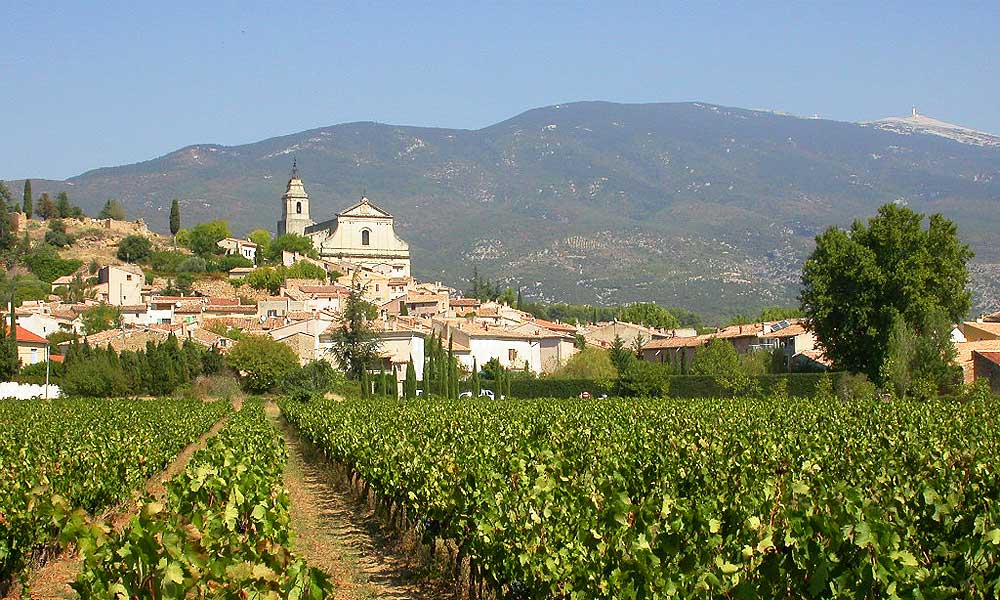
x=90, y=84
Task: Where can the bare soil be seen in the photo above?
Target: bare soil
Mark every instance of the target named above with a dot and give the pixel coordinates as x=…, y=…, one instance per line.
x=344, y=537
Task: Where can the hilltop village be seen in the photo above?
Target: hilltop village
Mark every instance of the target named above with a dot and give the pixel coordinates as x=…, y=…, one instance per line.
x=298, y=297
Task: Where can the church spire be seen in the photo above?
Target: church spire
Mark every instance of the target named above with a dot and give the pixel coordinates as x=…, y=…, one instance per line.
x=295, y=168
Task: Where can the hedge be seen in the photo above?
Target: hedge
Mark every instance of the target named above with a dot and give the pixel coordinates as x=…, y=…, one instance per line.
x=681, y=386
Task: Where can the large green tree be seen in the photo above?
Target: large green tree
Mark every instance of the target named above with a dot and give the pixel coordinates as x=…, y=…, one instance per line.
x=855, y=282
x=292, y=242
x=134, y=248
x=648, y=314
x=26, y=206
x=262, y=362
x=205, y=237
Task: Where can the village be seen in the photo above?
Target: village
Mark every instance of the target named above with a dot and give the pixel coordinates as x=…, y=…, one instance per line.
x=359, y=247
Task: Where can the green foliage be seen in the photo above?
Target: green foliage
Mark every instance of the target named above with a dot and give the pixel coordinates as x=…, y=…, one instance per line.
x=192, y=264
x=589, y=363
x=355, y=345
x=621, y=357
x=315, y=377
x=134, y=248
x=56, y=235
x=9, y=361
x=223, y=264
x=112, y=209
x=43, y=260
x=46, y=208
x=65, y=209
x=272, y=278
x=717, y=358
x=644, y=379
x=410, y=383
x=224, y=525
x=291, y=242
x=205, y=237
x=734, y=498
x=175, y=218
x=83, y=454
x=8, y=241
x=648, y=314
x=183, y=238
x=28, y=199
x=779, y=313
x=262, y=362
x=163, y=261
x=100, y=317
x=855, y=282
x=262, y=238
x=920, y=361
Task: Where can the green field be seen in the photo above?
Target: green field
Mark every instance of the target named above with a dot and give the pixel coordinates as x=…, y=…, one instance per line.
x=728, y=498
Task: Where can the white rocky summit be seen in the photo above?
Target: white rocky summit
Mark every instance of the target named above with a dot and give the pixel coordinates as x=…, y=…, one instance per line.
x=918, y=123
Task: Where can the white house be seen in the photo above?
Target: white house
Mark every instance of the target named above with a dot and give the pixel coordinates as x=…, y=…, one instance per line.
x=238, y=247
x=120, y=285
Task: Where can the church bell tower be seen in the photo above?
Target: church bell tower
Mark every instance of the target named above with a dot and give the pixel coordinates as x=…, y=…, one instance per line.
x=294, y=206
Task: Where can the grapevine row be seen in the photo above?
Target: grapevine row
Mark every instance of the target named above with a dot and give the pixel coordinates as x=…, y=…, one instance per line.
x=222, y=530
x=743, y=498
x=89, y=454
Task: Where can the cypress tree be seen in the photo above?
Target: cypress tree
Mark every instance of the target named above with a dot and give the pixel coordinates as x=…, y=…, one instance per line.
x=175, y=220
x=410, y=384
x=7, y=238
x=365, y=387
x=27, y=208
x=382, y=391
x=476, y=383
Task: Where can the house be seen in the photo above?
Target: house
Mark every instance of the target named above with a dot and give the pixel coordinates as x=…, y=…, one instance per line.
x=239, y=272
x=791, y=337
x=965, y=359
x=556, y=345
x=463, y=307
x=986, y=365
x=31, y=348
x=119, y=285
x=126, y=338
x=975, y=331
x=513, y=350
x=678, y=352
x=602, y=335
x=238, y=247
x=304, y=337
x=425, y=304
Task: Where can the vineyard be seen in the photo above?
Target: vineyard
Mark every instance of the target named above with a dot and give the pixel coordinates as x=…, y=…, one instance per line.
x=87, y=454
x=736, y=498
x=221, y=531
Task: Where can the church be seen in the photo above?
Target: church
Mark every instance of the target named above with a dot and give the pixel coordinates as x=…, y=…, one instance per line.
x=363, y=234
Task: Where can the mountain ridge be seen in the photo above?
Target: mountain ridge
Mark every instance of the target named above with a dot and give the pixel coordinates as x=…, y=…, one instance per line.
x=690, y=204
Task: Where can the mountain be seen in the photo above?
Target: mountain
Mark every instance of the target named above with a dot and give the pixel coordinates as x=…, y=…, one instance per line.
x=918, y=123
x=689, y=204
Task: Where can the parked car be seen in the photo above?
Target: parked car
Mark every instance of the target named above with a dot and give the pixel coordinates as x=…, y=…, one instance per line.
x=482, y=394
x=585, y=396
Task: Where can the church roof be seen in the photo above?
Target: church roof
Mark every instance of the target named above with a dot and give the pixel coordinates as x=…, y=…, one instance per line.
x=364, y=208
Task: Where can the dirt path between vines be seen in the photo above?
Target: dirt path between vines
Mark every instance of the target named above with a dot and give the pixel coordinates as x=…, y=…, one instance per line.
x=344, y=539
x=51, y=581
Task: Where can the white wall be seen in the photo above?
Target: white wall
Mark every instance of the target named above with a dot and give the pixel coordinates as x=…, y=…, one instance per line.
x=26, y=391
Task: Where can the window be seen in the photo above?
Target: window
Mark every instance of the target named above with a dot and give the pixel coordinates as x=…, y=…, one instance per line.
x=34, y=355
x=128, y=278
x=512, y=355
x=298, y=208
x=364, y=237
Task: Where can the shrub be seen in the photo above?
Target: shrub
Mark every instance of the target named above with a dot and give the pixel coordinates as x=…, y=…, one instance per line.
x=43, y=260
x=644, y=379
x=589, y=363
x=192, y=264
x=134, y=248
x=316, y=377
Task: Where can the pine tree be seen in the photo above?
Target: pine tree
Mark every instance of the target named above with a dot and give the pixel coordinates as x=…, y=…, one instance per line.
x=27, y=206
x=175, y=220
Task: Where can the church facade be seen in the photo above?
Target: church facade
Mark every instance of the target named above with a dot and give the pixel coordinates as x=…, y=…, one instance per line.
x=362, y=234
